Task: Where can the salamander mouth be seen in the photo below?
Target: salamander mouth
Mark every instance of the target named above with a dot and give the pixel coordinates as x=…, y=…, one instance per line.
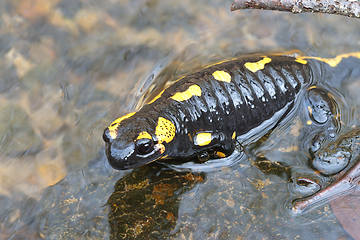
x=118, y=155
x=114, y=163
x=123, y=159
x=105, y=136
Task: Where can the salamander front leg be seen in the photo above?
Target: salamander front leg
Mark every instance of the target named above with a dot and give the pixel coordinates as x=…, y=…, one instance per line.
x=213, y=145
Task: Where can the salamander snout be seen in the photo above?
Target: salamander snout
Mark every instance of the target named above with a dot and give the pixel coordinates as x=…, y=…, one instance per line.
x=130, y=148
x=106, y=136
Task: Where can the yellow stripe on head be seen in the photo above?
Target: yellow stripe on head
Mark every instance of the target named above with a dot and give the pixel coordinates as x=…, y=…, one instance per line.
x=255, y=66
x=115, y=124
x=144, y=135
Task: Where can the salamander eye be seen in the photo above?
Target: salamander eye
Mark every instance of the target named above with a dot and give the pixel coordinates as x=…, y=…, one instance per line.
x=144, y=146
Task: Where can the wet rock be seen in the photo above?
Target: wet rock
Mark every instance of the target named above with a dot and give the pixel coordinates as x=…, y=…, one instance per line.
x=320, y=105
x=334, y=157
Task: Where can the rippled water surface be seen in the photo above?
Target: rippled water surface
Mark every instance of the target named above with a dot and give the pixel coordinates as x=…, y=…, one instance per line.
x=69, y=68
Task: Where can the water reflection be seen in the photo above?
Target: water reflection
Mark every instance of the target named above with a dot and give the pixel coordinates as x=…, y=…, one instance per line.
x=145, y=203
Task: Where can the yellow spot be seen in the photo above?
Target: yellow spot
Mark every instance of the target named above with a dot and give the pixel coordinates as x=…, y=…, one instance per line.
x=257, y=65
x=220, y=154
x=310, y=110
x=157, y=97
x=165, y=130
x=193, y=90
x=309, y=122
x=115, y=124
x=144, y=135
x=203, y=139
x=222, y=76
x=333, y=62
x=233, y=135
x=300, y=60
x=161, y=148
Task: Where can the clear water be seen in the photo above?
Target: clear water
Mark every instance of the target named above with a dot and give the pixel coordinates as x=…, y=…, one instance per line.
x=69, y=68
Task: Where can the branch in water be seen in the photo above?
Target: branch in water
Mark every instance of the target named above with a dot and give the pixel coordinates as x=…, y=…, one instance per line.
x=349, y=8
x=347, y=183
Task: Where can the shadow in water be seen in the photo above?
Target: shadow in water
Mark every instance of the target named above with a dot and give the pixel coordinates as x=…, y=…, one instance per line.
x=145, y=203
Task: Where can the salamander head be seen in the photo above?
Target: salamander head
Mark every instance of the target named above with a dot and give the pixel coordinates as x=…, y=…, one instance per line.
x=131, y=142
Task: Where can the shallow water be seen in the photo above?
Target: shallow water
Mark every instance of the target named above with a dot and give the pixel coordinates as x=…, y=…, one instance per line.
x=69, y=68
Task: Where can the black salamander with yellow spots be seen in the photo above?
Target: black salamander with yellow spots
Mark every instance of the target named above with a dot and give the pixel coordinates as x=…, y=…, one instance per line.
x=206, y=111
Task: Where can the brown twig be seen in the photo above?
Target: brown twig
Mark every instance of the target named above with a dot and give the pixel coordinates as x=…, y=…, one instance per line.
x=347, y=183
x=349, y=8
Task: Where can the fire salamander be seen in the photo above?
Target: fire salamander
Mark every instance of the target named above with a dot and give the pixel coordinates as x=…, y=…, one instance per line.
x=206, y=111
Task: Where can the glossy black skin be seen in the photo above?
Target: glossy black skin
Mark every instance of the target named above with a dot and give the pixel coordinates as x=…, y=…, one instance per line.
x=222, y=109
